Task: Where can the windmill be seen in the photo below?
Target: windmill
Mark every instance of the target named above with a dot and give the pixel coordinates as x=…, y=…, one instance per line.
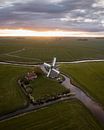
x=52, y=69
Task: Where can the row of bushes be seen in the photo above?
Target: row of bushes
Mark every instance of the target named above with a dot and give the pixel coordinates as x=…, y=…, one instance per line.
x=25, y=84
x=50, y=98
x=46, y=98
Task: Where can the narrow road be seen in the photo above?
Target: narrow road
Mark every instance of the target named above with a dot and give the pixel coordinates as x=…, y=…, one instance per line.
x=81, y=61
x=18, y=64
x=30, y=108
x=32, y=64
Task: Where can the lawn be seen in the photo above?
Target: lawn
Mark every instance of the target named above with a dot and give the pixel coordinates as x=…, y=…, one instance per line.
x=88, y=76
x=43, y=87
x=67, y=115
x=44, y=49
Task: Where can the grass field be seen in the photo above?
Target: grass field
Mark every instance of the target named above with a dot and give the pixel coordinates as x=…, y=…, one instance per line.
x=43, y=87
x=89, y=76
x=67, y=115
x=44, y=49
x=11, y=96
x=61, y=116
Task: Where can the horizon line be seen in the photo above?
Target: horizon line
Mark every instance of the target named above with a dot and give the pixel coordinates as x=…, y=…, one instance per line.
x=50, y=33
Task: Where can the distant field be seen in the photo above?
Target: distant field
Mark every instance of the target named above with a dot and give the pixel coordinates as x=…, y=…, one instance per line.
x=44, y=49
x=11, y=96
x=67, y=115
x=88, y=76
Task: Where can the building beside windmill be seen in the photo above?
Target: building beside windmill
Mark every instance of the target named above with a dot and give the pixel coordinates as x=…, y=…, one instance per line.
x=54, y=74
x=31, y=76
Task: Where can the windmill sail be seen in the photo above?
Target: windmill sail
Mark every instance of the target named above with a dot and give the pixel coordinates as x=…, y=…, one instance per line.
x=54, y=62
x=52, y=71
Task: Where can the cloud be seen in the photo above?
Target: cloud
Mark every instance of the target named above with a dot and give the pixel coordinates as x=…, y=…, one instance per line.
x=98, y=3
x=54, y=14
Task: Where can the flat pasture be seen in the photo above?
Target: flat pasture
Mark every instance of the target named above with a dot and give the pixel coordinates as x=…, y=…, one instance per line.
x=61, y=116
x=30, y=49
x=89, y=77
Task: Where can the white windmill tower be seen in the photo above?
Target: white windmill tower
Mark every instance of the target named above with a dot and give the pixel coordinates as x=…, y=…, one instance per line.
x=51, y=69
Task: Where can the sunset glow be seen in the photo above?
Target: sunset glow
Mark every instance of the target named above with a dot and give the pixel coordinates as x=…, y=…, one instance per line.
x=58, y=33
x=52, y=18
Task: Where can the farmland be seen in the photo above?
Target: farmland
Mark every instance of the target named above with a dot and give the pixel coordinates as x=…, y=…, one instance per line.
x=88, y=76
x=43, y=49
x=70, y=114
x=64, y=115
x=11, y=96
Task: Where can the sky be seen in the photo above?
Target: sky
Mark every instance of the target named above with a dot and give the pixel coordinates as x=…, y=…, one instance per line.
x=52, y=15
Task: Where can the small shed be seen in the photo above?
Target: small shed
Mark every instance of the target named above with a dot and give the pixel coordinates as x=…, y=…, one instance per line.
x=31, y=76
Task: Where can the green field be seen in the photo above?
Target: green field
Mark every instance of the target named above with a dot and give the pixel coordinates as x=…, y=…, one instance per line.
x=88, y=76
x=67, y=115
x=44, y=49
x=43, y=87
x=11, y=96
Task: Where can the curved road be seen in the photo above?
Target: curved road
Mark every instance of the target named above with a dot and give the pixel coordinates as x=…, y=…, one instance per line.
x=70, y=62
x=92, y=105
x=30, y=108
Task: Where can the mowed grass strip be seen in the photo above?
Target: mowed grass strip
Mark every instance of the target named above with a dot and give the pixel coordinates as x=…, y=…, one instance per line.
x=67, y=115
x=88, y=76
